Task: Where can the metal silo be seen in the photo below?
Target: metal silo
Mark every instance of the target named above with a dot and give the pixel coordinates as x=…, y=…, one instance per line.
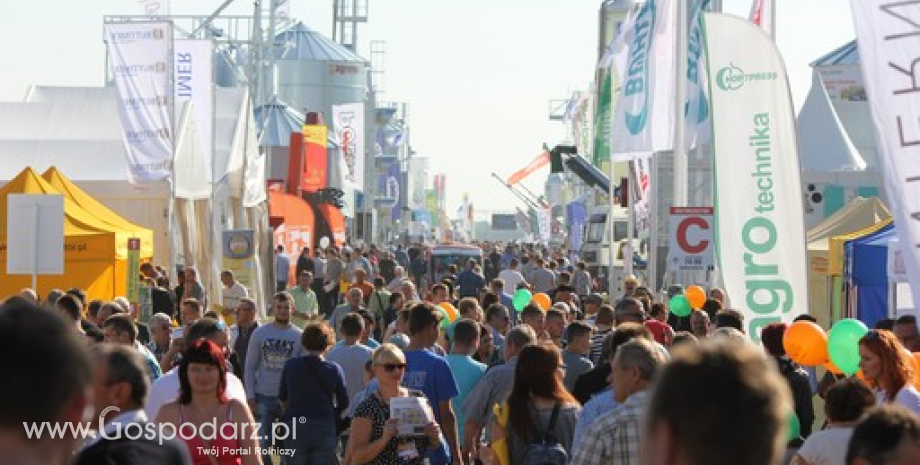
x=314, y=73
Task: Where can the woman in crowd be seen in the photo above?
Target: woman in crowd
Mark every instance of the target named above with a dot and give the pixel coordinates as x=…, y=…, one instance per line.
x=202, y=382
x=889, y=370
x=485, y=353
x=374, y=435
x=845, y=403
x=313, y=391
x=536, y=396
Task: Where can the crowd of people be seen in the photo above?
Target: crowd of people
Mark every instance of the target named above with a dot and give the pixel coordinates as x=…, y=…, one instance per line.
x=367, y=359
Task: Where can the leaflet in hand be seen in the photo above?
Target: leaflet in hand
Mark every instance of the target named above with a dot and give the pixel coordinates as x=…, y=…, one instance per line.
x=412, y=414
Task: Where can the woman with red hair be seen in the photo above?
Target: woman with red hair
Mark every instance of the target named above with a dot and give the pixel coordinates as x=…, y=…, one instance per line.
x=888, y=369
x=203, y=402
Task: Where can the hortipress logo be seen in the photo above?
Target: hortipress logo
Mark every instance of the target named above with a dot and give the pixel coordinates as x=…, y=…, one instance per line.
x=732, y=77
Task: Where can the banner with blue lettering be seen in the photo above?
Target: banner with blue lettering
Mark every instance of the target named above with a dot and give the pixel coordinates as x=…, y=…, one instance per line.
x=140, y=65
x=644, y=115
x=193, y=75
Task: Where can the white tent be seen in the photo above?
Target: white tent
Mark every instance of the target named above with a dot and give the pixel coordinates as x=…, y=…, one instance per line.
x=78, y=130
x=823, y=142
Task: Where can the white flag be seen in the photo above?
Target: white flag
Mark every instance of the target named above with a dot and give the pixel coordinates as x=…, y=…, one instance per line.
x=140, y=64
x=760, y=232
x=348, y=130
x=643, y=118
x=696, y=111
x=886, y=35
x=193, y=75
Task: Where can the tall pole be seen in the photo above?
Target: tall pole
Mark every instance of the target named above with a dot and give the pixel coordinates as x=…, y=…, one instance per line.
x=654, y=205
x=681, y=163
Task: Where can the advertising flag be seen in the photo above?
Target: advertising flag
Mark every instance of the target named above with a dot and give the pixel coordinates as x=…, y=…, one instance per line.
x=418, y=183
x=601, y=151
x=643, y=118
x=535, y=164
x=886, y=34
x=696, y=111
x=348, y=131
x=140, y=64
x=315, y=167
x=760, y=232
x=193, y=75
x=762, y=15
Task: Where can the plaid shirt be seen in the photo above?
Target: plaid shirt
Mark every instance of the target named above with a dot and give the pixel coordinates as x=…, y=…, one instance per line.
x=614, y=437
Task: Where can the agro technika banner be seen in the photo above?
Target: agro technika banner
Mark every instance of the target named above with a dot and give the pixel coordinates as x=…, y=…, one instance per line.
x=760, y=233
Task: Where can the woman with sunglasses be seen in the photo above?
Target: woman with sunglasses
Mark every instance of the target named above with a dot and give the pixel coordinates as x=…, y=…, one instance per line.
x=374, y=434
x=888, y=369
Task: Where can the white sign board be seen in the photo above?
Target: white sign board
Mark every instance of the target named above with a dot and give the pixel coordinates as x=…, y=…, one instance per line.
x=35, y=234
x=691, y=238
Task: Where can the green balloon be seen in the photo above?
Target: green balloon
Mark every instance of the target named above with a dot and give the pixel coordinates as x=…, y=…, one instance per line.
x=521, y=298
x=795, y=427
x=680, y=306
x=843, y=344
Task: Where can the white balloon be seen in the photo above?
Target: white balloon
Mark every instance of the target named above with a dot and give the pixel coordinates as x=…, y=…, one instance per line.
x=324, y=242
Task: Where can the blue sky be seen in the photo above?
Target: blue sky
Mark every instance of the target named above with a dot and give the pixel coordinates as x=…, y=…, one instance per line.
x=478, y=74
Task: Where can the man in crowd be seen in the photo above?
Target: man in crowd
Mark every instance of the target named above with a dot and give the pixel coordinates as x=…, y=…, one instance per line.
x=362, y=283
x=887, y=435
x=603, y=325
x=120, y=329
x=246, y=324
x=377, y=305
x=498, y=320
x=511, y=277
x=536, y=318
x=497, y=286
x=353, y=301
x=700, y=325
x=729, y=387
x=192, y=289
x=542, y=279
x=282, y=269
x=160, y=335
x=592, y=304
x=469, y=282
x=555, y=327
x=120, y=381
x=319, y=278
x=270, y=347
x=350, y=354
x=581, y=280
x=616, y=436
x=190, y=312
x=493, y=388
x=304, y=262
x=431, y=374
x=575, y=356
x=306, y=305
x=52, y=370
x=905, y=328
x=69, y=308
x=232, y=292
x=334, y=270
x=466, y=370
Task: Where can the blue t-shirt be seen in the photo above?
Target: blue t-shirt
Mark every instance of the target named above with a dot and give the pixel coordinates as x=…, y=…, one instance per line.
x=304, y=376
x=467, y=373
x=431, y=374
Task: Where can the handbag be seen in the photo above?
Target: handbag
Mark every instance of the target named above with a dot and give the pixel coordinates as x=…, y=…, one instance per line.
x=342, y=423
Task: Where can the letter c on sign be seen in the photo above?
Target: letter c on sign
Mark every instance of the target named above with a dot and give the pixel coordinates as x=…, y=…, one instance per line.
x=682, y=228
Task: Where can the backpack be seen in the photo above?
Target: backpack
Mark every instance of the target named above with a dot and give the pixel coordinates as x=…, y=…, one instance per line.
x=547, y=450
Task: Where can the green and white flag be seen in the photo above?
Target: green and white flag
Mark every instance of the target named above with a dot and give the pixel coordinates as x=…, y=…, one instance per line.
x=760, y=233
x=601, y=152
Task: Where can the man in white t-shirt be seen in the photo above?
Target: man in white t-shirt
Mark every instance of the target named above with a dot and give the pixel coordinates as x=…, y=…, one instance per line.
x=511, y=276
x=233, y=291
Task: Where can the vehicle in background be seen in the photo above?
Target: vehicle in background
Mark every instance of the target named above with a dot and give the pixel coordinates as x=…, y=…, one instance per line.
x=595, y=251
x=444, y=255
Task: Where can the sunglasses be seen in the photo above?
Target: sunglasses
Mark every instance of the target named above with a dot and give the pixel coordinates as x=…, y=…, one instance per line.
x=390, y=367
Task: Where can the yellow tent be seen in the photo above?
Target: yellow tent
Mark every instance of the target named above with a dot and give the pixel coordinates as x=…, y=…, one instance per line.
x=95, y=252
x=85, y=201
x=823, y=285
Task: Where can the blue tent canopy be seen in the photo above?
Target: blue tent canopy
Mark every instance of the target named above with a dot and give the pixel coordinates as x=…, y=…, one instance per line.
x=867, y=272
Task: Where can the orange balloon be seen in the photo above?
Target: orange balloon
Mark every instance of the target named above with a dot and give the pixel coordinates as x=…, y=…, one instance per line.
x=451, y=311
x=829, y=366
x=542, y=301
x=916, y=357
x=696, y=295
x=806, y=343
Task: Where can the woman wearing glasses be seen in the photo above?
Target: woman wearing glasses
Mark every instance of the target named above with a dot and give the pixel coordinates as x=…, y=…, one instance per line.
x=374, y=434
x=889, y=370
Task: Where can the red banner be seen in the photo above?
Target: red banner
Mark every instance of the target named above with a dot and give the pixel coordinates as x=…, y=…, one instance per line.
x=537, y=163
x=314, y=167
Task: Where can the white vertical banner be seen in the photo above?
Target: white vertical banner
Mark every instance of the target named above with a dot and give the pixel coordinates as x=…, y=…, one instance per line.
x=544, y=223
x=886, y=34
x=762, y=15
x=696, y=111
x=644, y=115
x=193, y=75
x=642, y=189
x=418, y=183
x=140, y=62
x=348, y=131
x=760, y=232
